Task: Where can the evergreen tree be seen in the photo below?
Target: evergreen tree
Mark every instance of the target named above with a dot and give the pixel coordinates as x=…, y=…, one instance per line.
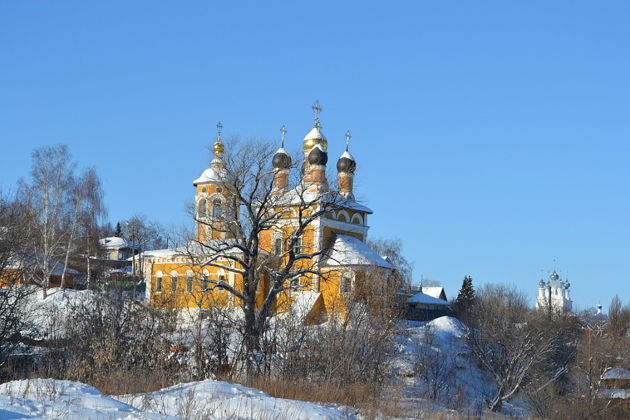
x=118, y=232
x=466, y=295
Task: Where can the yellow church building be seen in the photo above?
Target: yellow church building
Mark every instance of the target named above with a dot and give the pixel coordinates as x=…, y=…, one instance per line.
x=341, y=261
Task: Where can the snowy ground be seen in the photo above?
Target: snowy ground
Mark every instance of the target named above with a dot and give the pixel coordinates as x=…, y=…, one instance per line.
x=437, y=369
x=48, y=398
x=431, y=363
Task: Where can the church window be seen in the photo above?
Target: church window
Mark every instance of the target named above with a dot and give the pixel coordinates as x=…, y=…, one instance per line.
x=189, y=283
x=277, y=246
x=173, y=282
x=342, y=216
x=219, y=190
x=221, y=278
x=205, y=281
x=158, y=283
x=295, y=285
x=346, y=284
x=297, y=246
x=201, y=208
x=216, y=208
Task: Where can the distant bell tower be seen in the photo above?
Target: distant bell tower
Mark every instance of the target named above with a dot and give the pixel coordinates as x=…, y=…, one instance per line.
x=212, y=205
x=553, y=295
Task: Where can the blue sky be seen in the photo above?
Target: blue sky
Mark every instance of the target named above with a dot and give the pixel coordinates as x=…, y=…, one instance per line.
x=491, y=137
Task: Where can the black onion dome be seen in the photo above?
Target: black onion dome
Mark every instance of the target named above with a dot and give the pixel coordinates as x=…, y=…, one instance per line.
x=317, y=156
x=281, y=160
x=346, y=164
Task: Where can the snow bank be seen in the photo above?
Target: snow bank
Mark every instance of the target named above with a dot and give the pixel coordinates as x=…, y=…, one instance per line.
x=447, y=326
x=49, y=398
x=221, y=400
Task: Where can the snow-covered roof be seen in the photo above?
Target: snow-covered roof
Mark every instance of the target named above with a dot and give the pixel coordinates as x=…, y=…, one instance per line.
x=616, y=373
x=28, y=260
x=426, y=299
x=315, y=133
x=114, y=242
x=194, y=248
x=299, y=195
x=211, y=176
x=348, y=250
x=433, y=291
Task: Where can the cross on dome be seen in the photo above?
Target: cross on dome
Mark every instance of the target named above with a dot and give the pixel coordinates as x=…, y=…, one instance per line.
x=317, y=108
x=348, y=137
x=219, y=128
x=283, y=130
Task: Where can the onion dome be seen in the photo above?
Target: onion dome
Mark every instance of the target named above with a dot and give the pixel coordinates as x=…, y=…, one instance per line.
x=281, y=160
x=542, y=284
x=218, y=147
x=318, y=155
x=554, y=276
x=314, y=137
x=346, y=163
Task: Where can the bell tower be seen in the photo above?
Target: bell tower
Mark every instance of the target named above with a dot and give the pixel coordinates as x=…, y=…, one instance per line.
x=212, y=197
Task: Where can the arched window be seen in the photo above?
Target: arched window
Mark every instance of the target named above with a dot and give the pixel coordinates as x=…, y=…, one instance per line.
x=174, y=281
x=357, y=219
x=221, y=278
x=205, y=282
x=158, y=282
x=201, y=208
x=189, y=281
x=216, y=208
x=342, y=216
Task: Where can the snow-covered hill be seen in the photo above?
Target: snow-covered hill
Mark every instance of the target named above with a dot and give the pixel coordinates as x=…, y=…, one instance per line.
x=48, y=398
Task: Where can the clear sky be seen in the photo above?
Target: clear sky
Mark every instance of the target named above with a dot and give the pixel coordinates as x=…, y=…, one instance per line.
x=492, y=137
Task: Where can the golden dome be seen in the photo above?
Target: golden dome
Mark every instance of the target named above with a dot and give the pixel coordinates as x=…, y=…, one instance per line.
x=314, y=137
x=218, y=147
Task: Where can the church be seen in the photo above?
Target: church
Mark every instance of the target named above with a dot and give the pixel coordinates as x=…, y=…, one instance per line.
x=335, y=260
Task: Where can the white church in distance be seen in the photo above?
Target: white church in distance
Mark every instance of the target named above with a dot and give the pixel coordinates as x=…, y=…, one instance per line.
x=554, y=293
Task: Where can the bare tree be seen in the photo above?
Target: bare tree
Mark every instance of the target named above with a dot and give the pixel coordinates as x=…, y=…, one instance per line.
x=505, y=341
x=392, y=250
x=86, y=197
x=48, y=199
x=12, y=296
x=255, y=207
x=143, y=235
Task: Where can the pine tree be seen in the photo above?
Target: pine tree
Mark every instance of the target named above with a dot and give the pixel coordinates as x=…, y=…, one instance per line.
x=466, y=295
x=118, y=232
x=463, y=304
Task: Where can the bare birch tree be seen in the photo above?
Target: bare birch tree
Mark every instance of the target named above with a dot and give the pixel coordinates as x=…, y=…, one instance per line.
x=47, y=200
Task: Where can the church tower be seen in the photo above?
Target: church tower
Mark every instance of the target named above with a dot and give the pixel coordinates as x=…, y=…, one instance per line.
x=212, y=197
x=346, y=165
x=315, y=157
x=281, y=163
x=554, y=294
